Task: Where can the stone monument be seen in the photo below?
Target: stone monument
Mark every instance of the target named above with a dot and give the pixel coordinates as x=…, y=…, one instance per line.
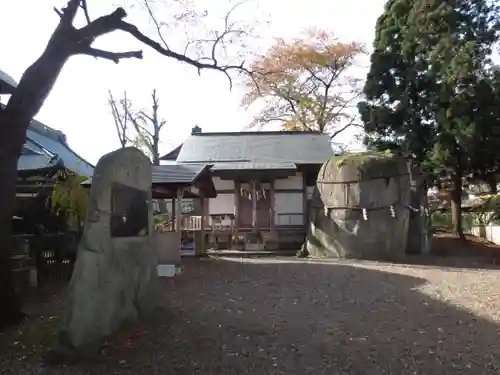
x=360, y=208
x=115, y=277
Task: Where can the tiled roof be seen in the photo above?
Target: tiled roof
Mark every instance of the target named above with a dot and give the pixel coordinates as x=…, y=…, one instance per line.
x=253, y=166
x=7, y=83
x=36, y=157
x=172, y=155
x=259, y=147
x=46, y=148
x=177, y=173
x=172, y=174
x=36, y=161
x=55, y=141
x=43, y=139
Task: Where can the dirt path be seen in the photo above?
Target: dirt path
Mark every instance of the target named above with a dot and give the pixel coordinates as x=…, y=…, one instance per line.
x=263, y=316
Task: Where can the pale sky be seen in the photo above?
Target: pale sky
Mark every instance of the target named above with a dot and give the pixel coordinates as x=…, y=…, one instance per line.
x=78, y=104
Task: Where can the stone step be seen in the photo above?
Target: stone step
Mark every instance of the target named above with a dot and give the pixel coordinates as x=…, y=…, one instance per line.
x=251, y=253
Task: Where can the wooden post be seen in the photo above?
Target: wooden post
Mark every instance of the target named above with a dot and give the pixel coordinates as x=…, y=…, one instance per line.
x=237, y=195
x=178, y=210
x=203, y=213
x=305, y=205
x=174, y=215
x=254, y=206
x=271, y=210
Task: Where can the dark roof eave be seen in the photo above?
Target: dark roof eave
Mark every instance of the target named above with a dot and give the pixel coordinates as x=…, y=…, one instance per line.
x=206, y=175
x=260, y=133
x=172, y=155
x=57, y=165
x=7, y=84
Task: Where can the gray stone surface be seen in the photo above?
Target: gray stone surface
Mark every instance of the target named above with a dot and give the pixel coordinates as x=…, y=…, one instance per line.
x=337, y=227
x=168, y=247
x=115, y=279
x=419, y=228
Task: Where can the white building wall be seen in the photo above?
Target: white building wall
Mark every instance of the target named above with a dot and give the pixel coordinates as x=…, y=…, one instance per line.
x=223, y=204
x=290, y=183
x=289, y=206
x=223, y=184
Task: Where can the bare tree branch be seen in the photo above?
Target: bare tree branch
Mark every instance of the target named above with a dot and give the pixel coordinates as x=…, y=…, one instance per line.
x=157, y=24
x=120, y=119
x=161, y=125
x=138, y=127
x=69, y=13
x=145, y=115
x=340, y=130
x=113, y=56
x=114, y=21
x=59, y=13
x=85, y=10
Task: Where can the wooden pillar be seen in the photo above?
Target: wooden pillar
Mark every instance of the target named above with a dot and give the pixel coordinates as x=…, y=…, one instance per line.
x=203, y=219
x=174, y=213
x=237, y=195
x=199, y=235
x=254, y=206
x=178, y=210
x=271, y=210
x=305, y=213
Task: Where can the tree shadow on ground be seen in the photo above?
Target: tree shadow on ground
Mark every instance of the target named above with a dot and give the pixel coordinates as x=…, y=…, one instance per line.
x=278, y=317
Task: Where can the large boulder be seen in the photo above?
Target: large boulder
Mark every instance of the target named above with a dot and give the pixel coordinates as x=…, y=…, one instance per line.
x=360, y=208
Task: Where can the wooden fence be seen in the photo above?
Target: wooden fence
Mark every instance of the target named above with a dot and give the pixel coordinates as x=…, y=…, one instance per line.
x=52, y=256
x=55, y=256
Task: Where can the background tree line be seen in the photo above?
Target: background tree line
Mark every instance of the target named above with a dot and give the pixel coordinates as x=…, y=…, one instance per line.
x=433, y=91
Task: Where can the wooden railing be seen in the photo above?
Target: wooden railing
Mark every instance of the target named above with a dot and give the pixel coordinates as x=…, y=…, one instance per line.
x=189, y=223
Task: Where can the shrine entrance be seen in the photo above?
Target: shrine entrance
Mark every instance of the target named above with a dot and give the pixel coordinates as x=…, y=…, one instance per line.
x=255, y=205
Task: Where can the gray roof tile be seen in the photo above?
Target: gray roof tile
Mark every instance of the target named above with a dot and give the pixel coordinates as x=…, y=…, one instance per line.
x=33, y=156
x=272, y=147
x=177, y=173
x=37, y=161
x=172, y=173
x=55, y=141
x=7, y=83
x=40, y=136
x=253, y=166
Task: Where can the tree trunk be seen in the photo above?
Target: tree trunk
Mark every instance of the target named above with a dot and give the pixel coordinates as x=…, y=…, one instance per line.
x=12, y=137
x=456, y=204
x=10, y=312
x=34, y=87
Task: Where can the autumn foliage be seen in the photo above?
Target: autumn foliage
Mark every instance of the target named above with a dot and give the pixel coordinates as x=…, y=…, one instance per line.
x=306, y=84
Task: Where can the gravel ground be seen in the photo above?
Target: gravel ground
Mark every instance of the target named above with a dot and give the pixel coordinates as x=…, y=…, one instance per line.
x=285, y=316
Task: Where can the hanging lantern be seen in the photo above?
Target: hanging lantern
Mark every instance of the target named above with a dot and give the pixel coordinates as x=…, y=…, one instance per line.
x=365, y=214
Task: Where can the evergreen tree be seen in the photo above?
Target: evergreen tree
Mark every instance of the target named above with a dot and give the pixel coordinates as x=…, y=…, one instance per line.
x=429, y=68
